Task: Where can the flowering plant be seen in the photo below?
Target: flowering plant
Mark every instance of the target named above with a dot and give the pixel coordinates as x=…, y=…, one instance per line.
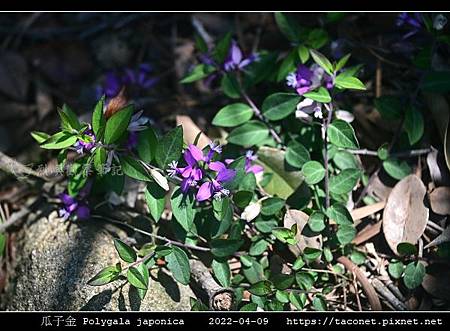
x=272, y=201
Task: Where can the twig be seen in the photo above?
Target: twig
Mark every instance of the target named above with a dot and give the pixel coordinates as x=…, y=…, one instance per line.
x=152, y=235
x=220, y=298
x=17, y=169
x=411, y=153
x=367, y=287
x=388, y=295
x=326, y=123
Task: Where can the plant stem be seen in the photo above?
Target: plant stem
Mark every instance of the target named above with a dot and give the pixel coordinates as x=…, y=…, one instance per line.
x=152, y=235
x=411, y=153
x=326, y=123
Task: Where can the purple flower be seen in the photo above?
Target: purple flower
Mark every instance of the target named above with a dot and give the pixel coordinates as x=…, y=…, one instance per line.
x=192, y=173
x=214, y=187
x=73, y=207
x=413, y=21
x=87, y=143
x=138, y=122
x=306, y=79
x=138, y=78
x=235, y=59
x=250, y=157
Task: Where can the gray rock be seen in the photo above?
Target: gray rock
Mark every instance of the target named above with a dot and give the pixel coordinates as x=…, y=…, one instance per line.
x=55, y=260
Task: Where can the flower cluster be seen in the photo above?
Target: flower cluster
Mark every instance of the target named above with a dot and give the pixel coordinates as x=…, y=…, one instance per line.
x=138, y=78
x=412, y=21
x=75, y=206
x=305, y=79
x=202, y=172
x=86, y=143
x=250, y=157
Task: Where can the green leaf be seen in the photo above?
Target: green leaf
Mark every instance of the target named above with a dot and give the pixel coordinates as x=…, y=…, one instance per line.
x=340, y=214
x=282, y=296
x=298, y=300
x=138, y=277
x=316, y=221
x=222, y=48
x=311, y=253
x=261, y=288
x=134, y=169
x=178, y=264
x=396, y=269
x=117, y=124
x=2, y=244
x=436, y=82
x=313, y=171
x=282, y=281
x=345, y=234
x=414, y=125
x=296, y=154
x=249, y=307
x=357, y=257
x=283, y=182
x=288, y=27
x=242, y=198
x=100, y=156
x=69, y=120
x=287, y=66
x=406, y=249
x=147, y=143
x=249, y=134
x=125, y=252
x=342, y=62
x=317, y=38
x=272, y=206
x=396, y=169
x=279, y=105
x=183, y=208
x=233, y=115
x=98, y=118
x=284, y=235
x=305, y=280
x=225, y=247
x=303, y=53
x=39, y=136
x=322, y=61
x=265, y=224
x=59, y=140
x=345, y=160
x=230, y=86
x=389, y=107
x=383, y=152
x=170, y=147
x=414, y=274
x=200, y=71
x=345, y=181
x=341, y=134
x=155, y=197
x=321, y=95
x=319, y=303
x=222, y=272
x=349, y=82
x=106, y=275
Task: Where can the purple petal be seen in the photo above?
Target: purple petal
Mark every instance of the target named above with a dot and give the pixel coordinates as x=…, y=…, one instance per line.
x=197, y=174
x=185, y=184
x=187, y=172
x=83, y=212
x=256, y=169
x=303, y=90
x=226, y=175
x=66, y=199
x=192, y=155
x=217, y=166
x=236, y=53
x=204, y=192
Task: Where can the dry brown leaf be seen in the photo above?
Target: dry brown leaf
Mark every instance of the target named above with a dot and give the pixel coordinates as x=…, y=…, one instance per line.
x=360, y=213
x=300, y=218
x=191, y=130
x=440, y=200
x=438, y=168
x=405, y=215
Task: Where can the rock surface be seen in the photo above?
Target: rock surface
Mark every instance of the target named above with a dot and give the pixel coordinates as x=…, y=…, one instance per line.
x=55, y=260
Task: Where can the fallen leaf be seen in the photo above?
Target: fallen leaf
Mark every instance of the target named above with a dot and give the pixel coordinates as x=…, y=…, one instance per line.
x=283, y=182
x=191, y=130
x=251, y=211
x=405, y=215
x=360, y=213
x=440, y=200
x=300, y=218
